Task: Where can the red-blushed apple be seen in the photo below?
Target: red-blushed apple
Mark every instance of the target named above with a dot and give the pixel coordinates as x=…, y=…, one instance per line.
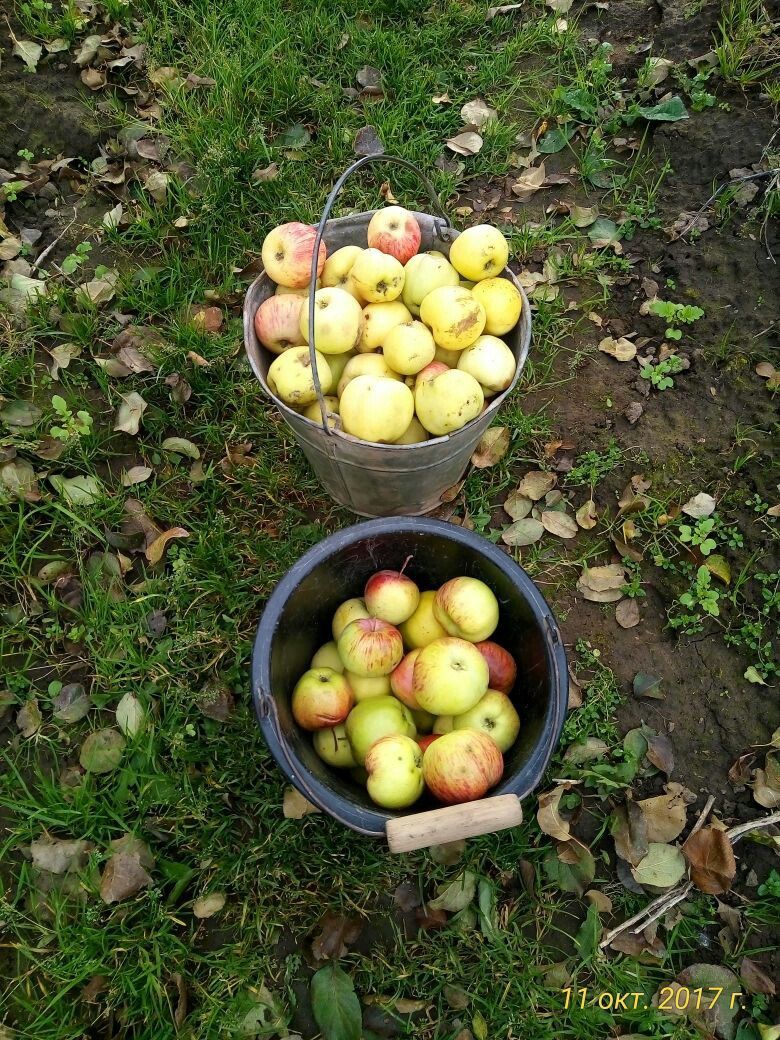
x=467, y=608
x=435, y=368
x=365, y=686
x=370, y=646
x=423, y=720
x=287, y=253
x=449, y=677
x=350, y=610
x=501, y=665
x=394, y=230
x=401, y=679
x=321, y=698
x=328, y=657
x=427, y=739
x=375, y=718
x=444, y=724
x=422, y=627
x=391, y=596
x=278, y=323
x=394, y=767
x=495, y=715
x=332, y=746
x=462, y=765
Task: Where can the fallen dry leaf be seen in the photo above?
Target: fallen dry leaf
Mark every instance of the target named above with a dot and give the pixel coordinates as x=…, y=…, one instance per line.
x=560, y=524
x=209, y=319
x=135, y=475
x=155, y=552
x=548, y=814
x=59, y=856
x=755, y=978
x=129, y=413
x=467, y=143
x=766, y=784
x=602, y=584
x=628, y=827
x=665, y=814
x=528, y=183
x=523, y=532
x=122, y=877
x=29, y=719
x=621, y=349
x=518, y=506
x=492, y=446
x=476, y=113
x=586, y=516
x=295, y=806
x=662, y=867
x=627, y=613
x=660, y=752
x=208, y=906
x=633, y=412
x=335, y=936
x=536, y=484
x=699, y=506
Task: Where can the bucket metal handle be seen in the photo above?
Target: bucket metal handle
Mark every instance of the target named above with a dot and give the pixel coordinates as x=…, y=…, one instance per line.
x=421, y=830
x=441, y=224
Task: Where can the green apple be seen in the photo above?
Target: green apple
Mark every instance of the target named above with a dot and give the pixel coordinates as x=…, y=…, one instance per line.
x=350, y=610
x=444, y=724
x=365, y=686
x=450, y=676
x=423, y=720
x=328, y=657
x=495, y=715
x=375, y=718
x=333, y=747
x=395, y=776
x=422, y=627
x=321, y=698
x=467, y=608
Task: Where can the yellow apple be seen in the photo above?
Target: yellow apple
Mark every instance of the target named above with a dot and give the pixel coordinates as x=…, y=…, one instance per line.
x=376, y=409
x=422, y=627
x=491, y=362
x=502, y=302
x=424, y=273
x=337, y=363
x=415, y=433
x=349, y=611
x=479, y=252
x=285, y=290
x=454, y=317
x=395, y=776
x=338, y=321
x=448, y=401
x=337, y=268
x=328, y=657
x=332, y=746
x=447, y=357
x=450, y=676
x=365, y=686
x=378, y=319
x=290, y=377
x=365, y=365
x=377, y=276
x=468, y=609
x=312, y=411
x=408, y=348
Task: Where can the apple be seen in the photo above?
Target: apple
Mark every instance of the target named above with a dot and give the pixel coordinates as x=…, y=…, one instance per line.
x=287, y=253
x=369, y=646
x=376, y=409
x=338, y=321
x=394, y=767
x=415, y=432
x=328, y=657
x=454, y=316
x=462, y=765
x=321, y=698
x=491, y=362
x=337, y=363
x=467, y=608
x=278, y=323
x=350, y=610
x=409, y=347
x=391, y=596
x=424, y=273
x=502, y=302
x=312, y=411
x=426, y=740
x=332, y=746
x=479, y=252
x=501, y=665
x=337, y=268
x=394, y=230
x=444, y=724
x=448, y=401
x=377, y=276
x=290, y=376
x=365, y=365
x=422, y=627
x=378, y=319
x=375, y=718
x=401, y=680
x=495, y=715
x=303, y=291
x=423, y=720
x=365, y=686
x=450, y=675
x=450, y=358
x=435, y=368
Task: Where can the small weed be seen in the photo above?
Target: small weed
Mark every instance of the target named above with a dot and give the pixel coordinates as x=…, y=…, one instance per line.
x=675, y=314
x=696, y=88
x=593, y=466
x=700, y=601
x=698, y=536
x=73, y=261
x=73, y=427
x=660, y=374
x=633, y=587
x=9, y=192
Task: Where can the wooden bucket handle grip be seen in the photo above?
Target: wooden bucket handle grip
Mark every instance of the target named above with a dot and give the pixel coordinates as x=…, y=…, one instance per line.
x=420, y=830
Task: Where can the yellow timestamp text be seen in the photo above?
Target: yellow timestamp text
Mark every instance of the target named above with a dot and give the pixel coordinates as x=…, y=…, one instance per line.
x=670, y=998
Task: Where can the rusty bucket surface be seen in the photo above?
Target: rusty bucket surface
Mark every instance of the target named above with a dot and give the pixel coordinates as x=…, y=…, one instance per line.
x=382, y=479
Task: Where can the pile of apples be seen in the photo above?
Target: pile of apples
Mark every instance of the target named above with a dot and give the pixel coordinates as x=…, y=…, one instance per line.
x=411, y=693
x=407, y=343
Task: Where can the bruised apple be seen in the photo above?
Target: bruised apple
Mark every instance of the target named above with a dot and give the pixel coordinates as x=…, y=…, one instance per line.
x=290, y=376
x=467, y=608
x=449, y=676
x=375, y=718
x=394, y=767
x=495, y=715
x=462, y=765
x=501, y=665
x=391, y=596
x=278, y=323
x=377, y=276
x=338, y=321
x=321, y=698
x=479, y=252
x=454, y=316
x=287, y=254
x=370, y=647
x=333, y=747
x=376, y=409
x=394, y=230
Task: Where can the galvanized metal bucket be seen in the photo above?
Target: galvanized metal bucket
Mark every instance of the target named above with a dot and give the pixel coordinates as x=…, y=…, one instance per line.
x=380, y=479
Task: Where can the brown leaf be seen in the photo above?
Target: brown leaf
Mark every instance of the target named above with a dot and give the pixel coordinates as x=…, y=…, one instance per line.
x=198, y=359
x=766, y=785
x=467, y=143
x=122, y=877
x=627, y=613
x=29, y=719
x=765, y=369
x=529, y=183
x=265, y=174
x=600, y=900
x=620, y=349
x=660, y=753
x=586, y=516
x=518, y=506
x=633, y=412
x=134, y=846
x=602, y=584
x=368, y=142
x=60, y=856
x=755, y=978
x=335, y=935
x=407, y=896
x=636, y=945
x=208, y=906
x=94, y=79
x=560, y=524
x=430, y=920
x=295, y=806
x=536, y=484
x=180, y=1012
x=448, y=852
x=492, y=446
x=155, y=552
x=209, y=319
x=711, y=860
x=548, y=814
x=129, y=413
x=628, y=826
x=92, y=990
x=181, y=391
x=216, y=701
x=740, y=771
x=666, y=814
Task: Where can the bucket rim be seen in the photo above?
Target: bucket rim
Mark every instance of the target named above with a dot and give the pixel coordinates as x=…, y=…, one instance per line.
x=371, y=821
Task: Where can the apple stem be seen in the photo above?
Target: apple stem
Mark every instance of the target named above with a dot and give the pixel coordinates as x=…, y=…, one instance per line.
x=406, y=563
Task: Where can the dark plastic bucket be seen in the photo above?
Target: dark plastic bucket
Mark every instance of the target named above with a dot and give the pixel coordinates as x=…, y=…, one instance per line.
x=297, y=621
